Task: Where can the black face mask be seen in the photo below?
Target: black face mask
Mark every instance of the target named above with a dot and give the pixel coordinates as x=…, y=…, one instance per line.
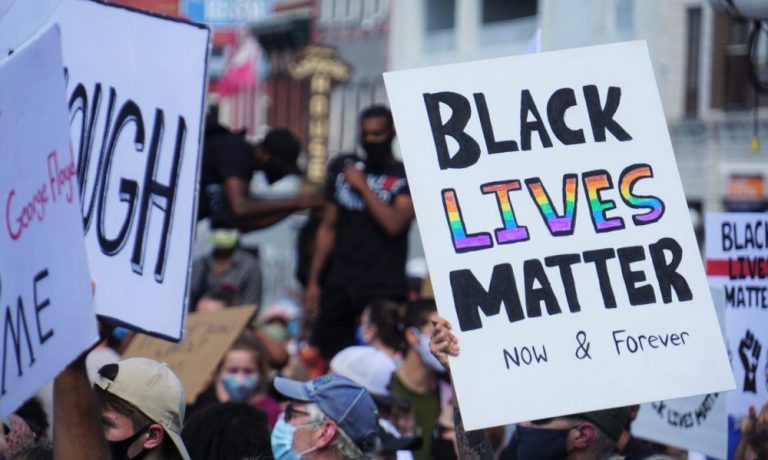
x=541, y=443
x=119, y=449
x=443, y=449
x=377, y=154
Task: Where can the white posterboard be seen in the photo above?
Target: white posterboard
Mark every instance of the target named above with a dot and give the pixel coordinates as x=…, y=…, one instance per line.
x=557, y=233
x=737, y=262
x=698, y=423
x=135, y=86
x=45, y=293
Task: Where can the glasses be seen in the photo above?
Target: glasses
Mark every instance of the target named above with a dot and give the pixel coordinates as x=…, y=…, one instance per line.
x=291, y=412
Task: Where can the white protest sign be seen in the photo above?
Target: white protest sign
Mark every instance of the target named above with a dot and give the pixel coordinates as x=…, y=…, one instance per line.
x=698, y=423
x=45, y=293
x=136, y=86
x=737, y=262
x=557, y=233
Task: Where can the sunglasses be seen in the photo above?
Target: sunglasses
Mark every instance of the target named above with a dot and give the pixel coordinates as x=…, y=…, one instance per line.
x=291, y=412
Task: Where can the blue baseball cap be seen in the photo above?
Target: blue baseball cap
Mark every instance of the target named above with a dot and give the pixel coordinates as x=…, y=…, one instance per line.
x=341, y=400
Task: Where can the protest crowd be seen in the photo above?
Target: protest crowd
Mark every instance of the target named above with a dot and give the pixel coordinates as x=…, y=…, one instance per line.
x=357, y=363
x=360, y=371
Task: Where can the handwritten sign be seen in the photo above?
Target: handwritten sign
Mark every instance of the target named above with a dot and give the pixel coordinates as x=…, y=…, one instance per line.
x=698, y=423
x=44, y=281
x=209, y=336
x=737, y=262
x=557, y=233
x=135, y=85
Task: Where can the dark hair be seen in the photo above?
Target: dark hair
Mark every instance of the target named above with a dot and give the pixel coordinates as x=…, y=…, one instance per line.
x=32, y=412
x=229, y=430
x=385, y=315
x=757, y=439
x=417, y=313
x=376, y=111
x=107, y=400
x=282, y=144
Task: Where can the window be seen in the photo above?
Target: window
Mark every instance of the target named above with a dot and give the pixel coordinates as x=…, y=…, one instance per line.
x=507, y=10
x=693, y=22
x=440, y=14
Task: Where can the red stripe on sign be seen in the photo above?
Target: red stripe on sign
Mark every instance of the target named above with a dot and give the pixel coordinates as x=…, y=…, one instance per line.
x=739, y=268
x=717, y=267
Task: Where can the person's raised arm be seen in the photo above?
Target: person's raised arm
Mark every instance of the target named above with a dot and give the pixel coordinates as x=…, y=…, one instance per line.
x=254, y=214
x=473, y=445
x=324, y=242
x=394, y=218
x=77, y=429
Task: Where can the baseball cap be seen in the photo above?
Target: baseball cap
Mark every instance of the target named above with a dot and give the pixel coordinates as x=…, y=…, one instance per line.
x=343, y=401
x=611, y=421
x=368, y=366
x=152, y=388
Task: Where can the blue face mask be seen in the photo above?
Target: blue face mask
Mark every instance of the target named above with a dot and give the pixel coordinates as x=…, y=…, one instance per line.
x=282, y=441
x=360, y=335
x=239, y=388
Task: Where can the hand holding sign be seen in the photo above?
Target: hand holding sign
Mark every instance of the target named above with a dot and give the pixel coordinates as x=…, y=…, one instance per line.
x=443, y=343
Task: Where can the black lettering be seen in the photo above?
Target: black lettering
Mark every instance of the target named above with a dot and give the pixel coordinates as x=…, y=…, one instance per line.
x=564, y=263
x=527, y=127
x=162, y=196
x=533, y=271
x=40, y=306
x=638, y=295
x=491, y=143
x=16, y=336
x=469, y=150
x=560, y=101
x=666, y=272
x=469, y=295
x=599, y=258
x=601, y=118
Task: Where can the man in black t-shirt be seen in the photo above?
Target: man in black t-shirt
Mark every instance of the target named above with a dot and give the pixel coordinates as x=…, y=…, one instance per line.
x=362, y=241
x=229, y=162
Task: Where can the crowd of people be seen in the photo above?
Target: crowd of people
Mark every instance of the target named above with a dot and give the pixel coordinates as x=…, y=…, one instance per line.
x=356, y=369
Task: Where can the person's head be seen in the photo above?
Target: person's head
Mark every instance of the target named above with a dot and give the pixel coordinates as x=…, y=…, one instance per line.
x=277, y=153
x=224, y=241
x=228, y=431
x=380, y=325
x=328, y=417
x=243, y=371
x=33, y=414
x=377, y=130
x=418, y=330
x=589, y=435
x=757, y=444
x=367, y=366
x=142, y=409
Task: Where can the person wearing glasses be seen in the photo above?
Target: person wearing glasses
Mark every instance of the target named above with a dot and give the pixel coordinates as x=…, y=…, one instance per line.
x=328, y=418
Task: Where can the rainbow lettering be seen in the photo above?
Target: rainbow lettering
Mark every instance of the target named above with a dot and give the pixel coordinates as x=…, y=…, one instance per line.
x=655, y=206
x=511, y=232
x=558, y=225
x=462, y=242
x=594, y=181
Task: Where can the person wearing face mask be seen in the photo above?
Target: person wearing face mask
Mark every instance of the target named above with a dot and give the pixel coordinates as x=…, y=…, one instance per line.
x=417, y=379
x=382, y=328
x=585, y=436
x=228, y=165
x=328, y=418
x=361, y=242
x=242, y=376
x=142, y=410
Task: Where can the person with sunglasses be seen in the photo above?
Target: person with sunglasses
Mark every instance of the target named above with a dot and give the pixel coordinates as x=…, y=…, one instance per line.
x=328, y=418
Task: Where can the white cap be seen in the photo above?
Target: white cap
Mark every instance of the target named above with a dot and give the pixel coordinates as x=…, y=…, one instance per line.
x=368, y=366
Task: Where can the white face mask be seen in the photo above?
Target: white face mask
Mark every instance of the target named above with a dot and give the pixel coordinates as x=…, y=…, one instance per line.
x=426, y=356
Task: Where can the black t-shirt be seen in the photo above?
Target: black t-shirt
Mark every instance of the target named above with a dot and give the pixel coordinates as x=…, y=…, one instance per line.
x=225, y=154
x=365, y=260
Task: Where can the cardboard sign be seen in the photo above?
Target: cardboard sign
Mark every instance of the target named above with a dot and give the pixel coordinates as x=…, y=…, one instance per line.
x=698, y=423
x=208, y=338
x=44, y=281
x=557, y=233
x=135, y=86
x=737, y=262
